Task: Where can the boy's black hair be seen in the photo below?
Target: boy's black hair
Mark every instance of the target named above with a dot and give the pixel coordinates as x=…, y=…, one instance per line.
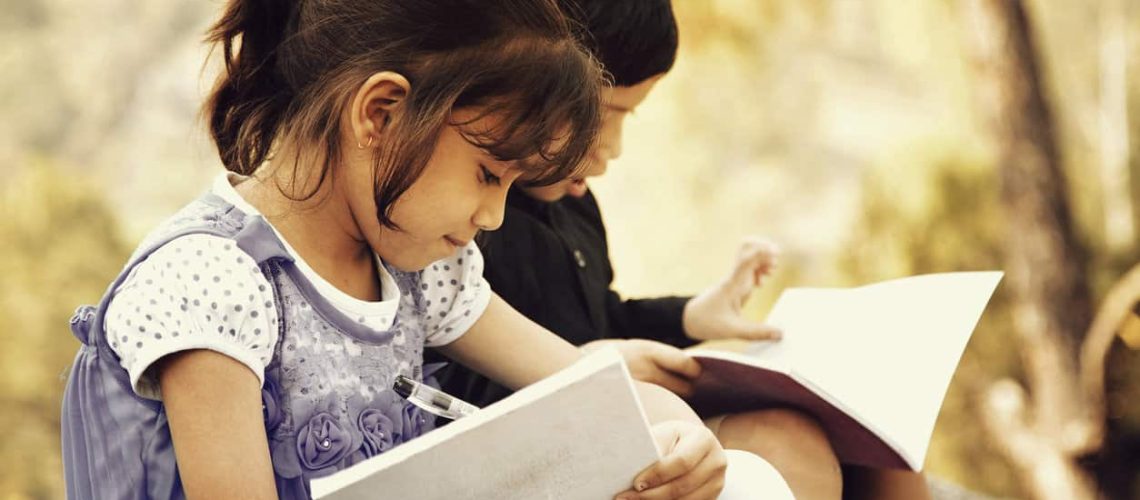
x=633, y=39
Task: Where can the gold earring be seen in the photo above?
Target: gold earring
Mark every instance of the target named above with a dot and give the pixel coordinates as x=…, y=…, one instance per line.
x=358, y=146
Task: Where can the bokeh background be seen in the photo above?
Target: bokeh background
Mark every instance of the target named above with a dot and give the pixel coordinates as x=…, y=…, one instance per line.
x=871, y=138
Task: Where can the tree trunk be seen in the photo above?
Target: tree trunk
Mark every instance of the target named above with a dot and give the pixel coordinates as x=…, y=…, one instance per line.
x=1115, y=148
x=1043, y=432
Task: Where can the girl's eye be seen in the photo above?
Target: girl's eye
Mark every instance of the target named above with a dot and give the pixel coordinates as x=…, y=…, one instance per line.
x=490, y=178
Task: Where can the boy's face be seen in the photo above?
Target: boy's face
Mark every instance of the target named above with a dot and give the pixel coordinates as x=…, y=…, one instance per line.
x=618, y=102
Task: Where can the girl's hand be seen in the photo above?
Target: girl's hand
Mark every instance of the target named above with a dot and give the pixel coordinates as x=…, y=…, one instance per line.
x=692, y=466
x=655, y=363
x=715, y=313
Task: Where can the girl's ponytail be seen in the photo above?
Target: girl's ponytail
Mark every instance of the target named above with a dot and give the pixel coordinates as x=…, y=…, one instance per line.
x=248, y=103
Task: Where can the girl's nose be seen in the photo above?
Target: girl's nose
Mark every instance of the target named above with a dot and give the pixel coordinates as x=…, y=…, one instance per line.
x=489, y=216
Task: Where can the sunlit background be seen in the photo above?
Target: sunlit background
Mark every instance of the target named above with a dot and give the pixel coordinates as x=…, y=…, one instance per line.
x=869, y=138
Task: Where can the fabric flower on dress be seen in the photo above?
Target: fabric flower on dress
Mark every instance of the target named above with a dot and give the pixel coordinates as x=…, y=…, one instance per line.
x=379, y=432
x=416, y=422
x=322, y=442
x=271, y=404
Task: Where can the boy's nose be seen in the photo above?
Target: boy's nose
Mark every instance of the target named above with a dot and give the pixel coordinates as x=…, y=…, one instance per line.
x=609, y=151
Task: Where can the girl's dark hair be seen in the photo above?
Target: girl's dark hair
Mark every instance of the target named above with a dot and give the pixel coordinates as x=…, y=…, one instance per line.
x=634, y=39
x=293, y=66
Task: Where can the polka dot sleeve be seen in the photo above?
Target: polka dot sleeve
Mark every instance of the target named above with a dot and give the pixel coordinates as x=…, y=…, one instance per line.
x=196, y=292
x=456, y=295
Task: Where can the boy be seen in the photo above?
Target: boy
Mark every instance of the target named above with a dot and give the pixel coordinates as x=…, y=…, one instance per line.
x=550, y=261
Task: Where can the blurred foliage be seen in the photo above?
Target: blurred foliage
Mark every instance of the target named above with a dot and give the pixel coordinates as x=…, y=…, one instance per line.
x=59, y=247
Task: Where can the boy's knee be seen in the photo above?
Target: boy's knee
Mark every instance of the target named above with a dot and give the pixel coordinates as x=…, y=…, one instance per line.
x=780, y=434
x=777, y=426
x=793, y=442
x=794, y=424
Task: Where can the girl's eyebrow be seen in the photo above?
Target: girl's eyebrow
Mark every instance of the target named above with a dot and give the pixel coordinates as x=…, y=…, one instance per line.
x=623, y=109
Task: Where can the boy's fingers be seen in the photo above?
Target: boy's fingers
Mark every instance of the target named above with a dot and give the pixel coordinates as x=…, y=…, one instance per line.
x=756, y=250
x=756, y=331
x=759, y=273
x=750, y=273
x=756, y=257
x=672, y=383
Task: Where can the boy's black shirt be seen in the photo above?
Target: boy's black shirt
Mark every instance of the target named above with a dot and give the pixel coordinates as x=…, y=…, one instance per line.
x=550, y=261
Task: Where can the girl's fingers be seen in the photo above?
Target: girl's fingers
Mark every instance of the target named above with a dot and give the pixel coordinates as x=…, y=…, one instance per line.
x=706, y=477
x=692, y=444
x=708, y=491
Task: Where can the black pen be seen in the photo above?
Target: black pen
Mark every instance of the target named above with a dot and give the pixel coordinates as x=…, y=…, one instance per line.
x=431, y=399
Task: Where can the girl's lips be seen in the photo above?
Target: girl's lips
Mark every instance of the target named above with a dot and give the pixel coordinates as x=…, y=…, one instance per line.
x=454, y=242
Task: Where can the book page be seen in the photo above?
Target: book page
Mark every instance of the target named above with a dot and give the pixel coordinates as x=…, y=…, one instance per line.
x=887, y=351
x=797, y=310
x=580, y=433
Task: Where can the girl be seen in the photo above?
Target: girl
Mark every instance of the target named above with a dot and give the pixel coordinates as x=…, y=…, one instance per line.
x=249, y=344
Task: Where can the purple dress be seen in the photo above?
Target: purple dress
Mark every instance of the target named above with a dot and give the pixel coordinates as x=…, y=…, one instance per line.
x=323, y=412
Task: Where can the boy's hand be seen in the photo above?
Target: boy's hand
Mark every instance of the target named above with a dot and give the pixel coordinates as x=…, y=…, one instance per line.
x=692, y=465
x=715, y=313
x=655, y=363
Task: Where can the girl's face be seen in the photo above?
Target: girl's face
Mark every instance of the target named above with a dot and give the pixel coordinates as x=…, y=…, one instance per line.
x=618, y=103
x=461, y=191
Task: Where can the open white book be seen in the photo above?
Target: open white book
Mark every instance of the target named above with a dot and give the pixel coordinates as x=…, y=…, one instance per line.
x=580, y=433
x=872, y=363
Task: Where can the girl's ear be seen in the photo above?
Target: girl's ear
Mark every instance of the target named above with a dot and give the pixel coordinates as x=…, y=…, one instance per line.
x=374, y=104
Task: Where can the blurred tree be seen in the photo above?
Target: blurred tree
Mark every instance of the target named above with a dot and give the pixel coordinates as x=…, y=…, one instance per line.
x=1115, y=147
x=937, y=209
x=59, y=247
x=1046, y=432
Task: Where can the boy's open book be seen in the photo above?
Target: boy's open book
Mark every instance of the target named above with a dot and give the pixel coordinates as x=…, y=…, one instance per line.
x=872, y=363
x=580, y=433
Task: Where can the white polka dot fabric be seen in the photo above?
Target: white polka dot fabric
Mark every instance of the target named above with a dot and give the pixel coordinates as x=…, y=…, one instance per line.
x=196, y=292
x=376, y=315
x=202, y=292
x=454, y=289
x=455, y=294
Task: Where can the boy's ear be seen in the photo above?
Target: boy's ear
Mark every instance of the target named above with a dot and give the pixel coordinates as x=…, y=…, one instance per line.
x=374, y=104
